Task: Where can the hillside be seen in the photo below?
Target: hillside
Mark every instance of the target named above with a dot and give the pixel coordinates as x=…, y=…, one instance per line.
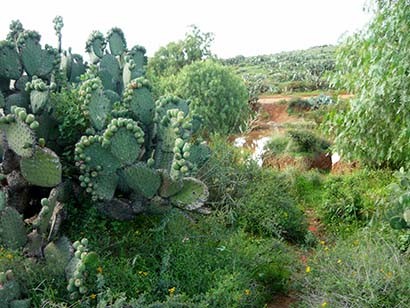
x=287, y=72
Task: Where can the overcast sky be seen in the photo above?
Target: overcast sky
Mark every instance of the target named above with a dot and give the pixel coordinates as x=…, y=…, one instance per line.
x=250, y=27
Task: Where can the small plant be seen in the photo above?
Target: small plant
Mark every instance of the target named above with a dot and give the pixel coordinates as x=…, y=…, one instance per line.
x=364, y=270
x=267, y=208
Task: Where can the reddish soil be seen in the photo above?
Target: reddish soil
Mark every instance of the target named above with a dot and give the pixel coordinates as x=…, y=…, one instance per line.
x=282, y=301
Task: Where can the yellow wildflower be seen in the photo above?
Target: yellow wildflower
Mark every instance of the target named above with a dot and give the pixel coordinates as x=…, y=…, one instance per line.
x=93, y=296
x=324, y=304
x=308, y=269
x=171, y=291
x=247, y=292
x=99, y=269
x=9, y=256
x=322, y=242
x=339, y=261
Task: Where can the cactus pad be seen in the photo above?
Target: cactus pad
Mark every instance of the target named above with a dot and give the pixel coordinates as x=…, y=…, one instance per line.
x=137, y=54
x=199, y=154
x=169, y=186
x=95, y=45
x=57, y=255
x=10, y=67
x=116, y=41
x=143, y=179
x=139, y=99
x=42, y=169
x=36, y=61
x=109, y=63
x=100, y=158
x=39, y=94
x=20, y=137
x=105, y=186
x=95, y=104
x=126, y=139
x=16, y=99
x=12, y=231
x=192, y=196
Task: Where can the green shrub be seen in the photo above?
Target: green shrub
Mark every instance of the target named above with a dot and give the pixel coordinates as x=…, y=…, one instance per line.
x=277, y=145
x=298, y=104
x=226, y=174
x=267, y=208
x=364, y=270
x=306, y=141
x=216, y=94
x=353, y=199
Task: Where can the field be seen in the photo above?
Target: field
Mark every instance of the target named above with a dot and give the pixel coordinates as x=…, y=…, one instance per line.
x=184, y=180
x=287, y=72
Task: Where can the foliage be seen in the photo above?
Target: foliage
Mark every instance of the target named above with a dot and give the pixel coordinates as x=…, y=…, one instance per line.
x=297, y=141
x=374, y=65
x=267, y=208
x=226, y=174
x=353, y=200
x=364, y=270
x=217, y=95
x=295, y=71
x=174, y=257
x=169, y=60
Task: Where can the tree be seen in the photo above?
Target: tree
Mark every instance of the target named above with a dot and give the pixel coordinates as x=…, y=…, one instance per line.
x=217, y=95
x=374, y=64
x=170, y=59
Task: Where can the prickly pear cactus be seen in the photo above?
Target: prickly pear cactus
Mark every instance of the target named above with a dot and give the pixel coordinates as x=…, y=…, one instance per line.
x=83, y=272
x=39, y=166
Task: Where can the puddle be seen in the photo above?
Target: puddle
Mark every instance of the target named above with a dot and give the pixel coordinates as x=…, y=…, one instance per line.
x=335, y=158
x=257, y=146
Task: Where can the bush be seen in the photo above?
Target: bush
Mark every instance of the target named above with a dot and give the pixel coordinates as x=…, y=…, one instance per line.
x=364, y=270
x=216, y=94
x=227, y=174
x=353, y=199
x=267, y=208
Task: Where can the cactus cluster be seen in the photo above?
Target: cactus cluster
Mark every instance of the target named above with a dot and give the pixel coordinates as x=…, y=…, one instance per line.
x=83, y=272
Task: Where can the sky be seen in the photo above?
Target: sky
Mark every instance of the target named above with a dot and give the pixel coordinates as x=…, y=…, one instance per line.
x=241, y=27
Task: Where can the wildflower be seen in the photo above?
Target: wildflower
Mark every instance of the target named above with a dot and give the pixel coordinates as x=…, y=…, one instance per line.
x=356, y=243
x=9, y=256
x=322, y=242
x=171, y=291
x=389, y=275
x=308, y=269
x=247, y=292
x=324, y=304
x=326, y=248
x=339, y=261
x=99, y=269
x=143, y=273
x=93, y=296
